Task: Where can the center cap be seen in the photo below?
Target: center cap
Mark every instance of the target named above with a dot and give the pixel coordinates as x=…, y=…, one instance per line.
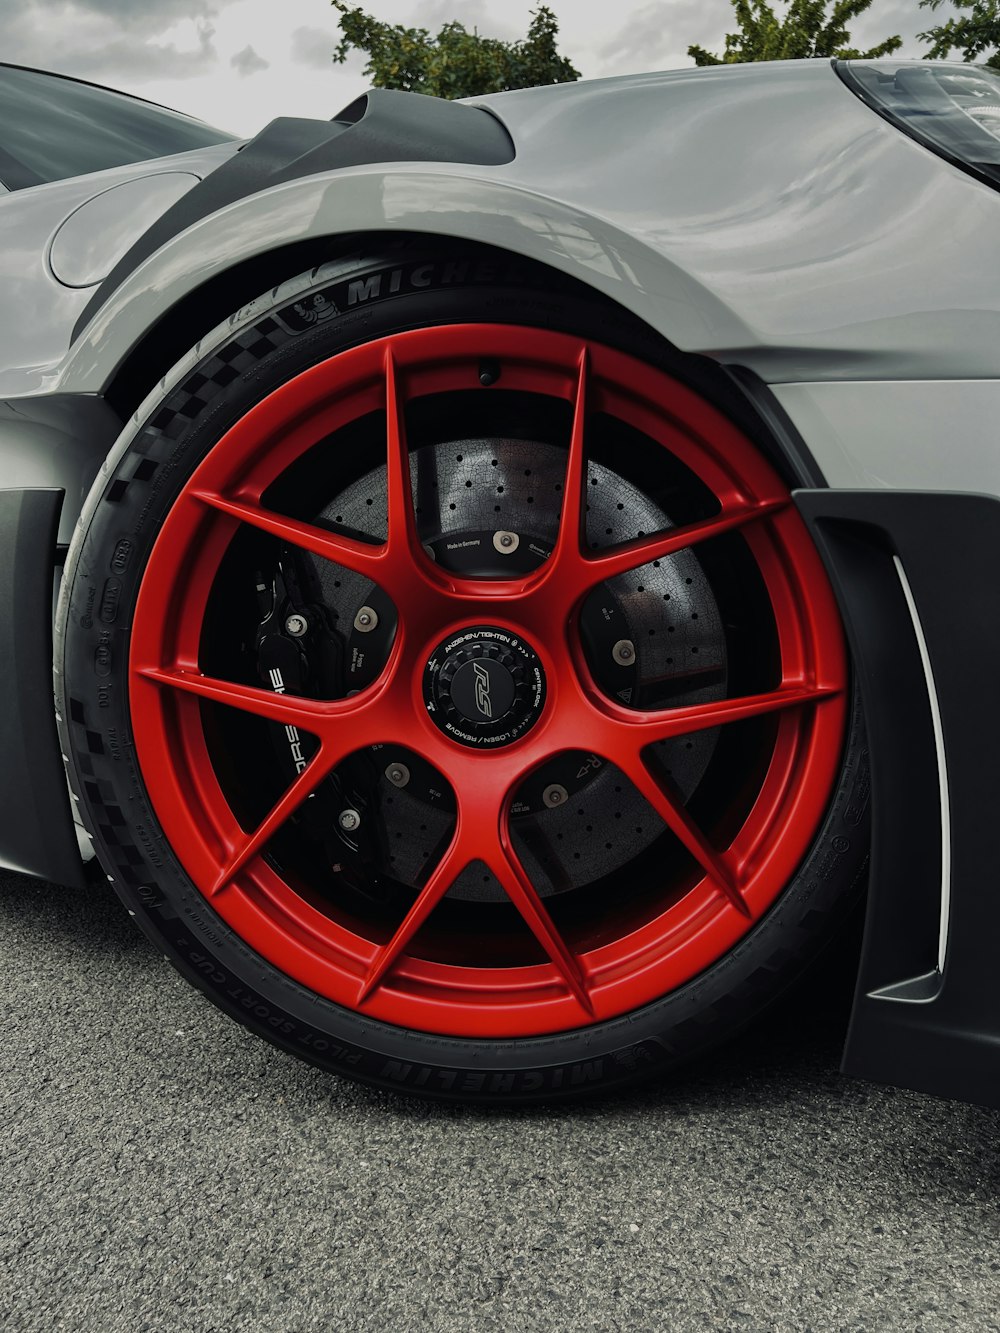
x=484, y=687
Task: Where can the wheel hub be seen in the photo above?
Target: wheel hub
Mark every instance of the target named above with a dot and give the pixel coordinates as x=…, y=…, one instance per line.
x=484, y=687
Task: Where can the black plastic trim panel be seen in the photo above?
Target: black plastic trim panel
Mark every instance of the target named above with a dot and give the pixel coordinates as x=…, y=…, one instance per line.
x=37, y=835
x=916, y=1023
x=381, y=126
x=778, y=437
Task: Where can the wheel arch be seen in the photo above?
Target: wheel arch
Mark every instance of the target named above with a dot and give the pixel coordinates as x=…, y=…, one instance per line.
x=200, y=276
x=735, y=390
x=196, y=313
x=223, y=296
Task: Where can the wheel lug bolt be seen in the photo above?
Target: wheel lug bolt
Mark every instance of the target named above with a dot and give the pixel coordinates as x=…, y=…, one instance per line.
x=296, y=626
x=349, y=820
x=624, y=652
x=555, y=795
x=366, y=620
x=506, y=542
x=398, y=774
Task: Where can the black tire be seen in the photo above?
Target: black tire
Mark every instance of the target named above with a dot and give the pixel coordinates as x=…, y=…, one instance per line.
x=172, y=431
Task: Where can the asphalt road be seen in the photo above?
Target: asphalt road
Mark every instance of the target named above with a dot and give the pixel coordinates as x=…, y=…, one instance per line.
x=161, y=1169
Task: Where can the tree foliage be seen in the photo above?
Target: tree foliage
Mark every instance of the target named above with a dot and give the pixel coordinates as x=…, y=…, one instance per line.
x=455, y=62
x=974, y=31
x=805, y=31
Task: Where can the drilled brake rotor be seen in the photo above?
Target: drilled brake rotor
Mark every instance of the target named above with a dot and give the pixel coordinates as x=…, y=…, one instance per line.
x=489, y=508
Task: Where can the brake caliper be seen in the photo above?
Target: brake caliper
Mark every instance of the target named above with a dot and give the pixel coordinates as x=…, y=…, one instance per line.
x=300, y=652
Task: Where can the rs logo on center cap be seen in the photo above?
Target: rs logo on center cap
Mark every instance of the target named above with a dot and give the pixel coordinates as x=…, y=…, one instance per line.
x=483, y=687
x=483, y=701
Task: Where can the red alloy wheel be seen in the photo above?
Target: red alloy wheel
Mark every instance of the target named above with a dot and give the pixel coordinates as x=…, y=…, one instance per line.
x=386, y=972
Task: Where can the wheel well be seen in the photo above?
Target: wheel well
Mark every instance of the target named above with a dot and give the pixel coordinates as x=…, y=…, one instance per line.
x=208, y=305
x=742, y=397
x=196, y=314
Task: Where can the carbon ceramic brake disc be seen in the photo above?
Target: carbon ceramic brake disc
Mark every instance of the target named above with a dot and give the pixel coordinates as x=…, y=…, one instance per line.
x=471, y=497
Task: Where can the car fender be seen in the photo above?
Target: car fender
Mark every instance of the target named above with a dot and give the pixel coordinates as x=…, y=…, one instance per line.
x=456, y=203
x=761, y=215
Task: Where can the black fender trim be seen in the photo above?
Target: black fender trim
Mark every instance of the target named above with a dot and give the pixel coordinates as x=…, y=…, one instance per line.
x=37, y=833
x=915, y=574
x=381, y=126
x=777, y=436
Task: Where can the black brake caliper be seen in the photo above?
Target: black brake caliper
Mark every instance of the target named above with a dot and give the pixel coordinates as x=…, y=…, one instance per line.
x=300, y=652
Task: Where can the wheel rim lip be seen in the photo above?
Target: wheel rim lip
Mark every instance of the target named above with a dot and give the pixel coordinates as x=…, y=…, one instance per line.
x=278, y=923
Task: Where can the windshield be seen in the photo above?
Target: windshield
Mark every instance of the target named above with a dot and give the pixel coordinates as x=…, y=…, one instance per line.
x=52, y=128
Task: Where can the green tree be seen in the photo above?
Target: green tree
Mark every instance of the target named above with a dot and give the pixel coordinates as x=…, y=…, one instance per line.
x=974, y=31
x=805, y=31
x=455, y=63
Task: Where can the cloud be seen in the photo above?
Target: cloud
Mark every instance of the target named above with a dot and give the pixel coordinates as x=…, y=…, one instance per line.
x=248, y=61
x=151, y=16
x=650, y=37
x=91, y=40
x=474, y=14
x=144, y=60
x=314, y=47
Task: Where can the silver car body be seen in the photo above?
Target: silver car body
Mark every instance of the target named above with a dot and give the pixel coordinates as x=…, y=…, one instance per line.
x=762, y=216
x=757, y=214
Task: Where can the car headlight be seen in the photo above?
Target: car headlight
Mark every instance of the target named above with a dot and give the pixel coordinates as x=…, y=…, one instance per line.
x=953, y=109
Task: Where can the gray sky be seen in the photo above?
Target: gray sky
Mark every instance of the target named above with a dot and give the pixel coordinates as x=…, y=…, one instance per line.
x=240, y=63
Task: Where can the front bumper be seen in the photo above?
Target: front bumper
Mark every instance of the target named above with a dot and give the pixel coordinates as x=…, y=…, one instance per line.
x=915, y=574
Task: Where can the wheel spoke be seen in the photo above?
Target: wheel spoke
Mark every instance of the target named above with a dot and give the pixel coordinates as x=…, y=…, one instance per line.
x=402, y=519
x=683, y=827
x=639, y=730
x=288, y=709
x=458, y=855
x=241, y=853
x=477, y=837
x=343, y=722
x=506, y=865
x=343, y=725
x=644, y=550
x=361, y=557
x=669, y=723
x=569, y=541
